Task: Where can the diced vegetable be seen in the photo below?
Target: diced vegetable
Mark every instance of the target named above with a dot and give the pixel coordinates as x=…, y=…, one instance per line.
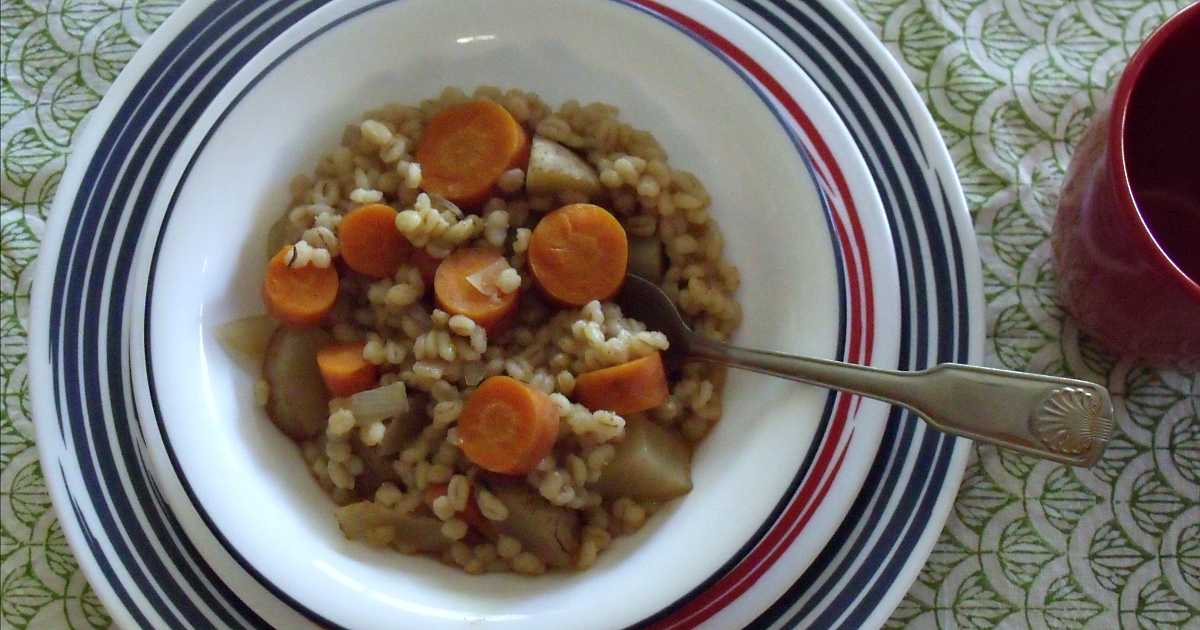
x=378, y=460
x=651, y=464
x=549, y=532
x=554, y=168
x=466, y=147
x=247, y=337
x=507, y=426
x=300, y=296
x=579, y=253
x=282, y=233
x=344, y=369
x=486, y=279
x=370, y=242
x=646, y=258
x=402, y=428
x=457, y=294
x=298, y=403
x=377, y=469
x=628, y=388
x=379, y=403
x=372, y=522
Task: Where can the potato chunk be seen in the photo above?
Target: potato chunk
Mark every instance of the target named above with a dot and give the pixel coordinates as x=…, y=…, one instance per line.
x=548, y=531
x=298, y=403
x=651, y=464
x=554, y=168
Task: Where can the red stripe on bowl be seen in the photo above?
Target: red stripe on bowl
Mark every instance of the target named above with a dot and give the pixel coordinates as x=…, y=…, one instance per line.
x=860, y=337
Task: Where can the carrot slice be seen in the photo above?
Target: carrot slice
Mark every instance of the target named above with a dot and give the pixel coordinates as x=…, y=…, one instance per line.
x=371, y=244
x=426, y=265
x=472, y=515
x=507, y=426
x=624, y=389
x=344, y=369
x=466, y=147
x=579, y=253
x=461, y=289
x=300, y=296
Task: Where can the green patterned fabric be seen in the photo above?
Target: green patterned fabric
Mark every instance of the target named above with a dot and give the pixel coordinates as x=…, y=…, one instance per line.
x=1011, y=84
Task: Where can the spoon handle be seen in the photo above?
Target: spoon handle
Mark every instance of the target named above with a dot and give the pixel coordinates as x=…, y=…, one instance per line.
x=1061, y=419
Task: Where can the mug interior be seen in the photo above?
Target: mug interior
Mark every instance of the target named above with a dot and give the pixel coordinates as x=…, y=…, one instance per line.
x=1159, y=150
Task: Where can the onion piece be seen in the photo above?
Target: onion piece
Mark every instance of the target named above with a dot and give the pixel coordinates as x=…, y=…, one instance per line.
x=487, y=279
x=438, y=202
x=247, y=337
x=379, y=403
x=282, y=233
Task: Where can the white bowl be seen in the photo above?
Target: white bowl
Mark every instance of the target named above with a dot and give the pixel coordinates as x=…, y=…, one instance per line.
x=796, y=204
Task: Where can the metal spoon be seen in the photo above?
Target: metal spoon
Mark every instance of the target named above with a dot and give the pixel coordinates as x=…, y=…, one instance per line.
x=1060, y=419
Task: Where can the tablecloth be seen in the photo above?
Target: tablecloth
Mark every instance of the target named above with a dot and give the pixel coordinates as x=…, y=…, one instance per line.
x=1011, y=84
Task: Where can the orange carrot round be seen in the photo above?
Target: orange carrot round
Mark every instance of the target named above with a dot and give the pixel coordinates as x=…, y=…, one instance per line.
x=628, y=388
x=579, y=253
x=507, y=426
x=466, y=147
x=300, y=296
x=370, y=242
x=466, y=284
x=344, y=369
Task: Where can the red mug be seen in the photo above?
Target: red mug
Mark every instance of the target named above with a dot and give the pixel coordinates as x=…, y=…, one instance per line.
x=1126, y=239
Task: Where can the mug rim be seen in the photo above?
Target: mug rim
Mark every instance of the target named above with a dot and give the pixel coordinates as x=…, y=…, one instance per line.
x=1116, y=144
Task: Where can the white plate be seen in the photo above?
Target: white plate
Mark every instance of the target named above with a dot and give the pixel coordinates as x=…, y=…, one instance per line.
x=184, y=155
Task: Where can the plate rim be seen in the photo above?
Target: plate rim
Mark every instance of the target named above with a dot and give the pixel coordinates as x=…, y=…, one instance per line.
x=55, y=228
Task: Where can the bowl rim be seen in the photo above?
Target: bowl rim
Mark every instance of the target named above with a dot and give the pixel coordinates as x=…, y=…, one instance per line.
x=825, y=459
